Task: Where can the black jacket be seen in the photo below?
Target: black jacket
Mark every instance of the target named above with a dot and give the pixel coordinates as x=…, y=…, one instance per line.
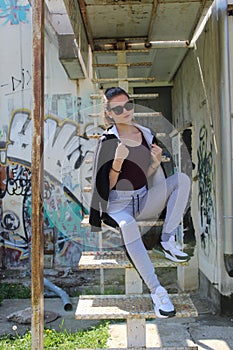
x=103, y=159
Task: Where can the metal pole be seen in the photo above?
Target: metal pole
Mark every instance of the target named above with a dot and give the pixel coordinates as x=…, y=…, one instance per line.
x=226, y=130
x=37, y=251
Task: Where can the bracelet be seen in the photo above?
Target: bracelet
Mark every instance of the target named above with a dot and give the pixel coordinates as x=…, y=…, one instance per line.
x=153, y=167
x=116, y=171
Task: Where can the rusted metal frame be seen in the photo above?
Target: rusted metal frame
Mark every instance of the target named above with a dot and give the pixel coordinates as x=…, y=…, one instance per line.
x=114, y=40
x=119, y=2
x=37, y=220
x=169, y=44
x=152, y=19
x=114, y=43
x=203, y=4
x=133, y=64
x=134, y=96
x=82, y=7
x=159, y=44
x=96, y=52
x=136, y=2
x=106, y=80
x=201, y=14
x=179, y=1
x=203, y=18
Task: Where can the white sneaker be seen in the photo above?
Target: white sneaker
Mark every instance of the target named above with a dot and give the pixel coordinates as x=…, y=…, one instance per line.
x=162, y=304
x=171, y=251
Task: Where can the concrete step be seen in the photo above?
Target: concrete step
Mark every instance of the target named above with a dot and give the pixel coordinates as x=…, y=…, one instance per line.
x=129, y=64
x=141, y=114
x=131, y=306
x=87, y=188
x=148, y=114
x=132, y=96
x=95, y=115
x=116, y=80
x=94, y=136
x=144, y=348
x=119, y=260
x=145, y=223
x=143, y=96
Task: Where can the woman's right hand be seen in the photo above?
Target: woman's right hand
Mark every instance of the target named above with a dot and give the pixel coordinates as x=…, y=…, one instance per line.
x=121, y=152
x=120, y=155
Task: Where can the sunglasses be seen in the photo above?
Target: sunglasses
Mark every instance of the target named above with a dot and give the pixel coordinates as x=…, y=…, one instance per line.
x=128, y=106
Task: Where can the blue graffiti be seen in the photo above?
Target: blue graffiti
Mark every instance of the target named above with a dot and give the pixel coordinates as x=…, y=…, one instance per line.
x=13, y=12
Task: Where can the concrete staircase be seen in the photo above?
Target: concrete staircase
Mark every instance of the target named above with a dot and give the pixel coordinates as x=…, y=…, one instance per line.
x=134, y=306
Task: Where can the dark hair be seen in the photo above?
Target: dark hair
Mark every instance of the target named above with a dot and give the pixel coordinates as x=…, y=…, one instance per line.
x=108, y=95
x=112, y=92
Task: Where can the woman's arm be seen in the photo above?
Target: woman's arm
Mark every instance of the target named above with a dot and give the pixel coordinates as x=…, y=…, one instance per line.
x=156, y=158
x=120, y=155
x=102, y=160
x=115, y=172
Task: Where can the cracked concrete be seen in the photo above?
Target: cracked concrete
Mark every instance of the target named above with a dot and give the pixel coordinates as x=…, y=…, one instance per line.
x=175, y=333
x=209, y=331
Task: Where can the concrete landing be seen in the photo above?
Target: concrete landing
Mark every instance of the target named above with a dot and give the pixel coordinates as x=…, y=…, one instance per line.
x=208, y=331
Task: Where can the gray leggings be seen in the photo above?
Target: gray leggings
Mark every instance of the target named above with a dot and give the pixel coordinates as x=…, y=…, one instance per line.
x=126, y=207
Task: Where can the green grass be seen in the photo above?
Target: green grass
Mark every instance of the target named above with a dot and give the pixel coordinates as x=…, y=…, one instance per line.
x=108, y=290
x=96, y=337
x=14, y=291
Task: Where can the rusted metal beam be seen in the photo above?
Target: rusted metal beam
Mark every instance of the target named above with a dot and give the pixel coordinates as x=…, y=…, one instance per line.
x=106, y=80
x=37, y=220
x=132, y=64
x=134, y=96
x=96, y=52
x=82, y=7
x=114, y=40
x=168, y=44
x=152, y=20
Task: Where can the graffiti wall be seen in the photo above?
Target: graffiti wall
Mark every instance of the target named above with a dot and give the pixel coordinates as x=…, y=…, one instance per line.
x=197, y=92
x=206, y=189
x=67, y=173
x=67, y=153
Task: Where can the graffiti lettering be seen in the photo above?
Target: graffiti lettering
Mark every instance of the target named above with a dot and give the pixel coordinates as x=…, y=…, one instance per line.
x=18, y=181
x=65, y=150
x=67, y=171
x=16, y=83
x=20, y=83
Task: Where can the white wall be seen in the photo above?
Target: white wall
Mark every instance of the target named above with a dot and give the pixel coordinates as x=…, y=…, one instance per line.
x=230, y=23
x=64, y=148
x=196, y=100
x=15, y=67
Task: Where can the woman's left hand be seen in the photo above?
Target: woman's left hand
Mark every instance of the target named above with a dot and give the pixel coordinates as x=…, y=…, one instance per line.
x=156, y=154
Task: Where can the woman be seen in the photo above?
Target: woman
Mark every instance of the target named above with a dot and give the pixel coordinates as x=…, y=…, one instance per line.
x=130, y=185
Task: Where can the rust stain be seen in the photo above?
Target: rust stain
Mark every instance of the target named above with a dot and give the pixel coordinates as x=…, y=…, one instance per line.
x=37, y=252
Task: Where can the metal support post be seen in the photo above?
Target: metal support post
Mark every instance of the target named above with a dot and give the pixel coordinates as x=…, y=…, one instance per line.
x=37, y=251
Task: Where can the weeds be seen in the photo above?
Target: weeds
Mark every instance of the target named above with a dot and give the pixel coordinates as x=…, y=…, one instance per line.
x=14, y=291
x=96, y=337
x=108, y=290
